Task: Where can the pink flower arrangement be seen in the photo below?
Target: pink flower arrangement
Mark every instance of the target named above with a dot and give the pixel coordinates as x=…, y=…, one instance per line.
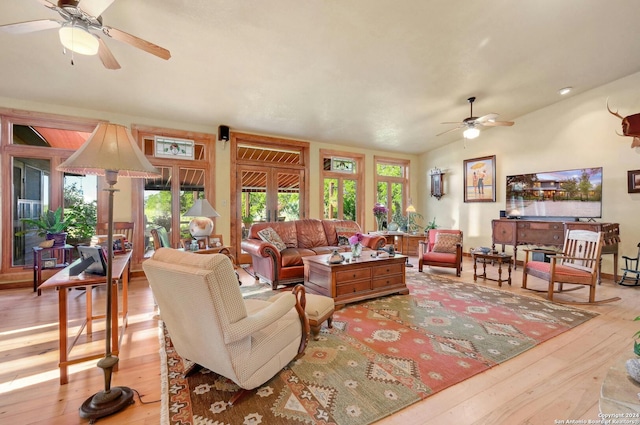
x=355, y=239
x=380, y=211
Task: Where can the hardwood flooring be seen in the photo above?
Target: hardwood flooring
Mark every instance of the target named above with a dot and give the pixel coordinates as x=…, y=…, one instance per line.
x=558, y=380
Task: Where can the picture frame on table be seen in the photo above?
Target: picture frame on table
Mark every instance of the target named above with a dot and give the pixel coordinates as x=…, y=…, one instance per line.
x=49, y=263
x=633, y=181
x=480, y=179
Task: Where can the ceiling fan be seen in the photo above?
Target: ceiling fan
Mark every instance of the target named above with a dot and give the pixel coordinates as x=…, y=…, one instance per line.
x=472, y=123
x=80, y=19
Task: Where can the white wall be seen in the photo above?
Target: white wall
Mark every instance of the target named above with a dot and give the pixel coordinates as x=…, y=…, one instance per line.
x=576, y=132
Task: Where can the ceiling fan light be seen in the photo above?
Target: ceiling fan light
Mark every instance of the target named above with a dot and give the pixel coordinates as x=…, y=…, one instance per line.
x=78, y=40
x=471, y=133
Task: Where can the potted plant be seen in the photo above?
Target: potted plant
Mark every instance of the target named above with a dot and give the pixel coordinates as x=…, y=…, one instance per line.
x=50, y=225
x=432, y=225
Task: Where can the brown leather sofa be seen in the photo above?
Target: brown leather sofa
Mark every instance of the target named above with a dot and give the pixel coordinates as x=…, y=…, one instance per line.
x=302, y=238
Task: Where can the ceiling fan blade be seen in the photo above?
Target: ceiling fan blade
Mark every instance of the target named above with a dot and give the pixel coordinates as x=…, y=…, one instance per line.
x=30, y=26
x=137, y=42
x=94, y=7
x=108, y=60
x=449, y=131
x=485, y=118
x=452, y=122
x=498, y=123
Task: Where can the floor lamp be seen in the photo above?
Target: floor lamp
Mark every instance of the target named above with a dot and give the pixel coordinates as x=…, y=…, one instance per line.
x=110, y=151
x=410, y=210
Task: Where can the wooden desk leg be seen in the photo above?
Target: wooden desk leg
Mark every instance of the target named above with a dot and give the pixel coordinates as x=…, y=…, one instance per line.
x=499, y=273
x=89, y=301
x=509, y=281
x=62, y=324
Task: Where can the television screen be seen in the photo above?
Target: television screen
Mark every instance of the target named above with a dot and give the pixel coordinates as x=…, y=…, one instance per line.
x=557, y=194
x=96, y=259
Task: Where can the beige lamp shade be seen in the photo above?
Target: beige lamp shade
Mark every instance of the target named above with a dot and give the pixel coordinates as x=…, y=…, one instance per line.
x=202, y=225
x=110, y=147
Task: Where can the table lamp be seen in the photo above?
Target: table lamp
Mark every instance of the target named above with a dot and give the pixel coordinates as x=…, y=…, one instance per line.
x=201, y=225
x=109, y=151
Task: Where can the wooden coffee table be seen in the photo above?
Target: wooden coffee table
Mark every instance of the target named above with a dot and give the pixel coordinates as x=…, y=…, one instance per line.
x=491, y=258
x=350, y=281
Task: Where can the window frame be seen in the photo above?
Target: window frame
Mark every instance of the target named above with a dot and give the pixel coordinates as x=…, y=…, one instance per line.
x=403, y=180
x=358, y=176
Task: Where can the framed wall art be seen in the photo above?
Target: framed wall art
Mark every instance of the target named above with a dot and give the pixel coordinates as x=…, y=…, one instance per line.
x=633, y=181
x=480, y=179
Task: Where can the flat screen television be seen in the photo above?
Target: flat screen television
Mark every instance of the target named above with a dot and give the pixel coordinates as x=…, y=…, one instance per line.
x=94, y=258
x=555, y=194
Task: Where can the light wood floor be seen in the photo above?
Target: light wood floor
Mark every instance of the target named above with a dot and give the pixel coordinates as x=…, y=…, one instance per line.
x=560, y=379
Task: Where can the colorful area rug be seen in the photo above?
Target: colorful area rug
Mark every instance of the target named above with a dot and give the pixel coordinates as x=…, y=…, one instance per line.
x=381, y=356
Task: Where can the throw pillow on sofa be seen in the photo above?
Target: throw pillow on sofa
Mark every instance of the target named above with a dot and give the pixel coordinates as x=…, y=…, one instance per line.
x=269, y=235
x=344, y=233
x=446, y=242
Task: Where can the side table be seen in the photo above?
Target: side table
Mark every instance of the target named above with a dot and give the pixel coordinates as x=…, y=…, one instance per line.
x=59, y=258
x=492, y=258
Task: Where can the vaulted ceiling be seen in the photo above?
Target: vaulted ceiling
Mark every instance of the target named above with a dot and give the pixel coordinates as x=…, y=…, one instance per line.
x=366, y=73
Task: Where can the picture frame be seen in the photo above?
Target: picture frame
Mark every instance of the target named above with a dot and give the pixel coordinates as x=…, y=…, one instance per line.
x=633, y=181
x=480, y=179
x=49, y=263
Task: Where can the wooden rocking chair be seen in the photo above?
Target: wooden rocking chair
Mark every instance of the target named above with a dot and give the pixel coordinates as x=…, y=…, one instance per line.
x=578, y=264
x=631, y=269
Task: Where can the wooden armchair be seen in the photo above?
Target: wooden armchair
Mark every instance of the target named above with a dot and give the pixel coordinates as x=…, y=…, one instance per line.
x=160, y=238
x=578, y=264
x=441, y=248
x=631, y=271
x=119, y=227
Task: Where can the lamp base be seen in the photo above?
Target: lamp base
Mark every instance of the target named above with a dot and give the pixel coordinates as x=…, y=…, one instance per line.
x=200, y=227
x=106, y=403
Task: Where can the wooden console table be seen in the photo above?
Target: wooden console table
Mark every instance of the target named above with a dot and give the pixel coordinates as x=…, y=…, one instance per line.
x=62, y=282
x=551, y=233
x=404, y=243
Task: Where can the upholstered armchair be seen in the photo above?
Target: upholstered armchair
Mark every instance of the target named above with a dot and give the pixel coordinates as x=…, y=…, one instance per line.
x=441, y=248
x=246, y=341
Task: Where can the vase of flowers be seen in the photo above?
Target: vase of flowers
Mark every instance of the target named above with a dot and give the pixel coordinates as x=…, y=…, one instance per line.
x=356, y=245
x=380, y=212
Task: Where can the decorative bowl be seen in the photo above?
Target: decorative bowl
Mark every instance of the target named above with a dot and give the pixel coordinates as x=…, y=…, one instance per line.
x=484, y=249
x=46, y=244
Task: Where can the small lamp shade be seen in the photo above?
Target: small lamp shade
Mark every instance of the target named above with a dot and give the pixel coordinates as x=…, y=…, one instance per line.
x=202, y=225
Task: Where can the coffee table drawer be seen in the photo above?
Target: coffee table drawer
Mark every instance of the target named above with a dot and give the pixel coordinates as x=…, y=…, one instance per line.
x=350, y=275
x=350, y=288
x=387, y=269
x=382, y=282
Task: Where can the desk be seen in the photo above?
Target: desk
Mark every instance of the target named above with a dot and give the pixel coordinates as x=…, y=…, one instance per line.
x=62, y=282
x=61, y=256
x=226, y=250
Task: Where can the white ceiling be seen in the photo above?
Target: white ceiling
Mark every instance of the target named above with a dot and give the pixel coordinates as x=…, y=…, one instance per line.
x=366, y=73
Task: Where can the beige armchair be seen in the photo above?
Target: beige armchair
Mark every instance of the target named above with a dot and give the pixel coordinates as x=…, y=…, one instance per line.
x=247, y=341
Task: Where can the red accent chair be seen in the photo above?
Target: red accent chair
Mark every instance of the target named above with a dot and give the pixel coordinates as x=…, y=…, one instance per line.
x=441, y=251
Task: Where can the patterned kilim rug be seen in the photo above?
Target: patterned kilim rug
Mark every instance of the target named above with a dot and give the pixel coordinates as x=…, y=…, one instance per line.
x=381, y=356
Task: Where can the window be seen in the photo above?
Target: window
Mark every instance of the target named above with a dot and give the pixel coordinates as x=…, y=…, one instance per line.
x=185, y=176
x=33, y=145
x=392, y=185
x=342, y=185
